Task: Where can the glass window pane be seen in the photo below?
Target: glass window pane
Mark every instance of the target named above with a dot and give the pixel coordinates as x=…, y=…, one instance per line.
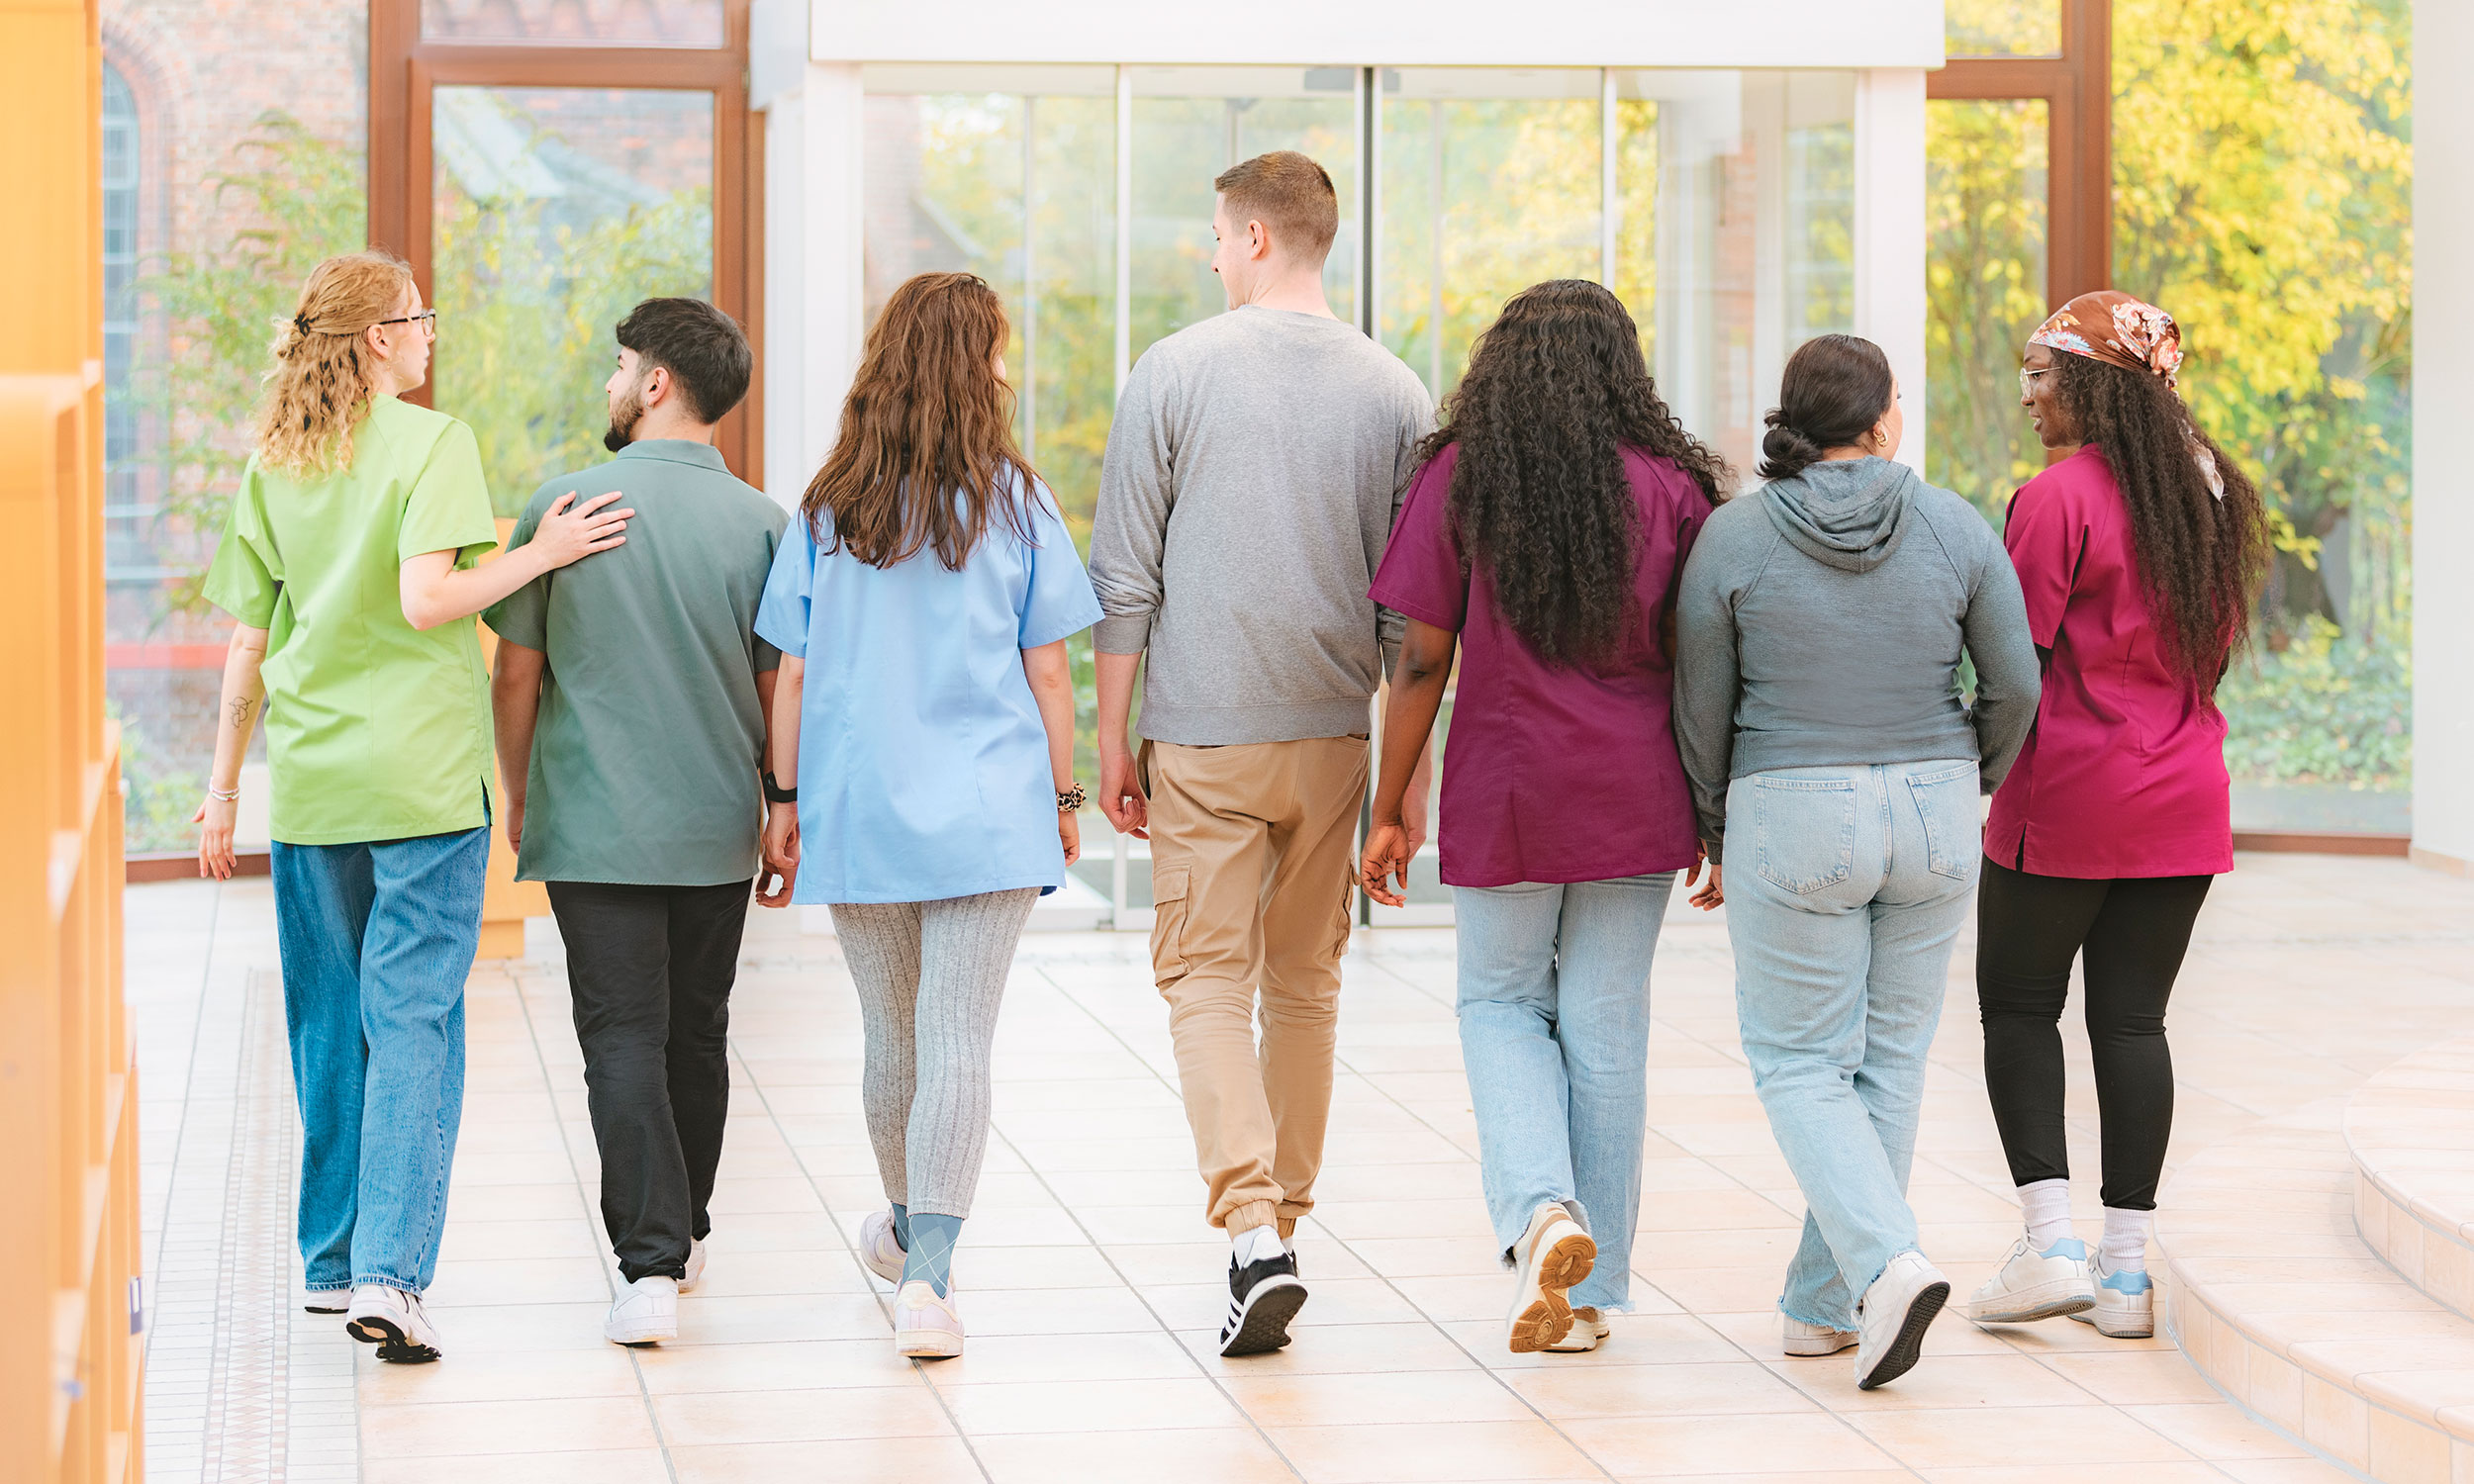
x=554, y=211
x=2002, y=27
x=1193, y=123
x=1984, y=290
x=642, y=23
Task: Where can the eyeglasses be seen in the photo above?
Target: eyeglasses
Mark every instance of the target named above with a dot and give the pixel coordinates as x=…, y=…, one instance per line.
x=427, y=320
x=2025, y=387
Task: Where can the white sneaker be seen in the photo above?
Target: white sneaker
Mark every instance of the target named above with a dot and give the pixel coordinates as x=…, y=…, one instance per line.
x=1552, y=1256
x=1589, y=1328
x=1797, y=1337
x=924, y=1325
x=877, y=1248
x=1894, y=1314
x=394, y=1320
x=2031, y=1285
x=326, y=1300
x=2126, y=1304
x=694, y=1265
x=646, y=1312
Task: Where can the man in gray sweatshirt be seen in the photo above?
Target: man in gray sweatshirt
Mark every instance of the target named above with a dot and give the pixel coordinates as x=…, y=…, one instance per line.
x=1252, y=475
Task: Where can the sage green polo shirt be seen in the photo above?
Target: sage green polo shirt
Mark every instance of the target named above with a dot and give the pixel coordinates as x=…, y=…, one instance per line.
x=375, y=730
x=645, y=757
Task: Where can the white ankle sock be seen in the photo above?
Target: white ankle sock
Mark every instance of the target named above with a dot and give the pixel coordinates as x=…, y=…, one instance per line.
x=1256, y=1244
x=2046, y=1206
x=2126, y=1239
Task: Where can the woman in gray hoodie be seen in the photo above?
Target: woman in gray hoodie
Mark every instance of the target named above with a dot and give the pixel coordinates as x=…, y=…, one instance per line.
x=1819, y=710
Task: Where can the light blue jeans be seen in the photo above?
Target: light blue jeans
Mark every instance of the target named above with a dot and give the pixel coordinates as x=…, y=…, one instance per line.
x=1845, y=891
x=1554, y=1033
x=377, y=940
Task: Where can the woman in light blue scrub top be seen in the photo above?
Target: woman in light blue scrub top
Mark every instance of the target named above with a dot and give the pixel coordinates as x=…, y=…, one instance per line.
x=923, y=777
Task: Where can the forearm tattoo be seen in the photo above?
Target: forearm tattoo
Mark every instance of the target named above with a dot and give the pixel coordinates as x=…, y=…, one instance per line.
x=240, y=713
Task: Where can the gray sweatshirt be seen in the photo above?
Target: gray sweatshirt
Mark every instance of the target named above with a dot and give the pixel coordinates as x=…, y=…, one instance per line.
x=1819, y=624
x=1253, y=472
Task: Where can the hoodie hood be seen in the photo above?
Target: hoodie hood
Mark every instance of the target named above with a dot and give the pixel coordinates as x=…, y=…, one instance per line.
x=1847, y=512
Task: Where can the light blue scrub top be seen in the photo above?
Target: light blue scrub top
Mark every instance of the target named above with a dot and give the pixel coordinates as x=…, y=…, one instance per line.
x=923, y=765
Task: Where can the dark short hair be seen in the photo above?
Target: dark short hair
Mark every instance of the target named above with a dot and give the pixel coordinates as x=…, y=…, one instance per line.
x=698, y=345
x=1835, y=389
x=1288, y=192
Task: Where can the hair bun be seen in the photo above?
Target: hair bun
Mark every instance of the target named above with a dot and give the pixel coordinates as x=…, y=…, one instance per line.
x=1786, y=452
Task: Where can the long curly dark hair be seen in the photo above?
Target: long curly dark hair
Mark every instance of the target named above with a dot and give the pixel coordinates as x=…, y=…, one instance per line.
x=2201, y=559
x=1556, y=390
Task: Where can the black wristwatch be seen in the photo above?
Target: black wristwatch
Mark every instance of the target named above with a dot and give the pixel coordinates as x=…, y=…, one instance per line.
x=776, y=793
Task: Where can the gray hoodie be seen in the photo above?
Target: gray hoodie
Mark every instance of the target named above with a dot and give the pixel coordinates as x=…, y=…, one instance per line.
x=1819, y=624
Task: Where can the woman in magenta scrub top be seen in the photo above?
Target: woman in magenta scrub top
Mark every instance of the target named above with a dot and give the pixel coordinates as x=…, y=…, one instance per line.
x=2140, y=552
x=1542, y=539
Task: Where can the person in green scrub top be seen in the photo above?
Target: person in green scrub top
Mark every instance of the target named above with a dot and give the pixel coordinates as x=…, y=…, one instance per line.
x=347, y=564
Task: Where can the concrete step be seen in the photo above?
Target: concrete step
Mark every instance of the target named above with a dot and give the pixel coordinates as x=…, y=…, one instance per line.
x=2277, y=1300
x=2411, y=1133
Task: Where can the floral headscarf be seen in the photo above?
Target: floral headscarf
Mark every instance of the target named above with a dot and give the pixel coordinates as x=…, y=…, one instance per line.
x=2112, y=326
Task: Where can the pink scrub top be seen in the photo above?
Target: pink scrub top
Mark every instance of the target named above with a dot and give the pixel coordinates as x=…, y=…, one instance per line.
x=1553, y=774
x=2124, y=775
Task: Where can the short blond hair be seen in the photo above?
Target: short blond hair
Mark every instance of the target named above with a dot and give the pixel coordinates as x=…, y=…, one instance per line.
x=1289, y=193
x=319, y=389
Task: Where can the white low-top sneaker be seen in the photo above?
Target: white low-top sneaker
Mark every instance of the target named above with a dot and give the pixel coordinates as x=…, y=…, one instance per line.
x=924, y=1325
x=394, y=1320
x=877, y=1249
x=1797, y=1337
x=646, y=1312
x=694, y=1265
x=1589, y=1328
x=1893, y=1316
x=2124, y=1307
x=2031, y=1285
x=1551, y=1256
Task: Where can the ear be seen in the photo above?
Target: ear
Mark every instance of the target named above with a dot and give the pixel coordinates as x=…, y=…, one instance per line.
x=653, y=385
x=1258, y=238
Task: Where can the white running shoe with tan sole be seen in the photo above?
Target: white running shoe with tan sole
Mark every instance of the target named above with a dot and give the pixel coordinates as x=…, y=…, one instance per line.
x=1589, y=1326
x=1550, y=1257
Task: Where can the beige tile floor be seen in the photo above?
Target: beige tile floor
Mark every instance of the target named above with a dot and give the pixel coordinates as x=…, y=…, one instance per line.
x=1090, y=1283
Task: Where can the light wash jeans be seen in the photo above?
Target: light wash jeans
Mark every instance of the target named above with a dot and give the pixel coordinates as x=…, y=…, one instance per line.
x=1845, y=891
x=377, y=940
x=1555, y=1032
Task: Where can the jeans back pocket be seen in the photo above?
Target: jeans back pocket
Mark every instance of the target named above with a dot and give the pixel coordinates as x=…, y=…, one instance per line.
x=1804, y=832
x=1954, y=825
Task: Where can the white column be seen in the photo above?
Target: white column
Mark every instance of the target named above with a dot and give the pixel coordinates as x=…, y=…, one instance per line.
x=1890, y=233
x=814, y=299
x=2443, y=498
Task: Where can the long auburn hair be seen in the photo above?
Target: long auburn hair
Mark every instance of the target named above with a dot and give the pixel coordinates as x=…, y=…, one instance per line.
x=319, y=391
x=1556, y=389
x=2201, y=559
x=925, y=458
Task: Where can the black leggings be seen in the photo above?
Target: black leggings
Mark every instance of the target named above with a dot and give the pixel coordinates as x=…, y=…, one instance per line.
x=2133, y=931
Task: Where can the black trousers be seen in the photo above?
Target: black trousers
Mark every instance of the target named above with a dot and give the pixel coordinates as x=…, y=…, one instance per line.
x=2132, y=933
x=651, y=969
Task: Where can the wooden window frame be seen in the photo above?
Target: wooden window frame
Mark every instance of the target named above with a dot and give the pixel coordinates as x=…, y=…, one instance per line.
x=2077, y=89
x=404, y=68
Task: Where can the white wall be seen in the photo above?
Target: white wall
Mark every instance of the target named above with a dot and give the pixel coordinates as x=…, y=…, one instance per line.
x=1891, y=235
x=2443, y=387
x=814, y=296
x=1397, y=33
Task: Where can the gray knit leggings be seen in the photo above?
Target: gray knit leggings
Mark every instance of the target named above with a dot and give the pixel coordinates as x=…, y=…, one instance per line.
x=930, y=974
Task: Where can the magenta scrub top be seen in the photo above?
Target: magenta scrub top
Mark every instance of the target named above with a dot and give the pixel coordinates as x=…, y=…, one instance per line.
x=1553, y=774
x=2125, y=774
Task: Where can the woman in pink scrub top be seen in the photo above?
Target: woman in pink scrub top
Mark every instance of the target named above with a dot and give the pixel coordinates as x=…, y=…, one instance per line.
x=2140, y=552
x=1541, y=541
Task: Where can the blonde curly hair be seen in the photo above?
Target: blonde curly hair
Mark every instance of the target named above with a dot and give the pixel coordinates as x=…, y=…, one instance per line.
x=320, y=388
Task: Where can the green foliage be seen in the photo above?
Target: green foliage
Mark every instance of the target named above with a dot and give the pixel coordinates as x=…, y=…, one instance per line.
x=162, y=797
x=1984, y=287
x=2324, y=710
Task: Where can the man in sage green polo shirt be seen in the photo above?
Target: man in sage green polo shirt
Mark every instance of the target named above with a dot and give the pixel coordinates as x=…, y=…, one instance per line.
x=631, y=696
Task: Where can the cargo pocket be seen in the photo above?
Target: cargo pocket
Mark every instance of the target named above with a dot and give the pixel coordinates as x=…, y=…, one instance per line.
x=1169, y=885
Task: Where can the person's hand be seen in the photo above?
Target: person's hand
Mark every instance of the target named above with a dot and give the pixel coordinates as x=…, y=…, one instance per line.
x=1070, y=835
x=781, y=853
x=1713, y=895
x=512, y=808
x=781, y=880
x=1122, y=796
x=570, y=536
x=214, y=820
x=1386, y=858
x=1413, y=810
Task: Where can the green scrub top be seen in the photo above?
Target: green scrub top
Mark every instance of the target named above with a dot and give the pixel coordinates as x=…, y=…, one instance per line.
x=374, y=730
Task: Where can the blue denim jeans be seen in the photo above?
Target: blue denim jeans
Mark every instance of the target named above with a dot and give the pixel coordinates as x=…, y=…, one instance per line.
x=377, y=941
x=1554, y=1033
x=1845, y=891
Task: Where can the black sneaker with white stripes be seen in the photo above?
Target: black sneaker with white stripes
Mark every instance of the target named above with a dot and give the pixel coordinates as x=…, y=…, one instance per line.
x=1263, y=1297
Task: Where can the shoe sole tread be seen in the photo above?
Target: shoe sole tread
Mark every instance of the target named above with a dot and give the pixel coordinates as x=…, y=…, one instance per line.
x=1262, y=1324
x=1903, y=1353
